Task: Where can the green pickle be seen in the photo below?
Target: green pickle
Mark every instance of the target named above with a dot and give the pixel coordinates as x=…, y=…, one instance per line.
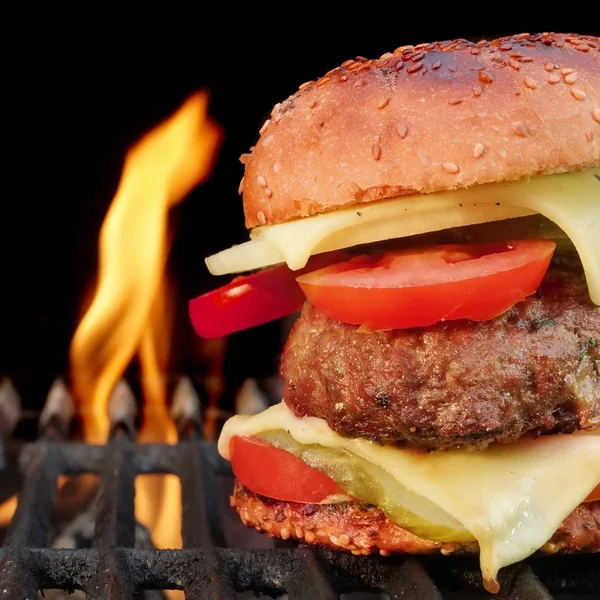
x=372, y=485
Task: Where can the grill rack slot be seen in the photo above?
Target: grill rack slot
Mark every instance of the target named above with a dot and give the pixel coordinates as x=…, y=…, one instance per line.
x=205, y=568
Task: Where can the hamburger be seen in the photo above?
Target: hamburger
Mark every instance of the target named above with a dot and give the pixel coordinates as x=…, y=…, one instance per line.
x=435, y=216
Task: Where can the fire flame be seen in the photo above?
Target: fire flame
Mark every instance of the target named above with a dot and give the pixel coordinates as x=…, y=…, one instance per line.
x=159, y=171
x=131, y=312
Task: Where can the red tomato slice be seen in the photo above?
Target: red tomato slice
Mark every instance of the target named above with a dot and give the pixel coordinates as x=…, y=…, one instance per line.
x=252, y=300
x=276, y=473
x=594, y=496
x=421, y=286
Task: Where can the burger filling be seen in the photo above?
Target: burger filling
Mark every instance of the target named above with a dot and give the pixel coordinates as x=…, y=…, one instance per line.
x=470, y=329
x=511, y=498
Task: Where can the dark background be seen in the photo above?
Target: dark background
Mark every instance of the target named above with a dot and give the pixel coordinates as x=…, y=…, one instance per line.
x=79, y=94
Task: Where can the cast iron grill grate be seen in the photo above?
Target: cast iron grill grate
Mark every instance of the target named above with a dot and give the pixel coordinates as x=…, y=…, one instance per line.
x=205, y=568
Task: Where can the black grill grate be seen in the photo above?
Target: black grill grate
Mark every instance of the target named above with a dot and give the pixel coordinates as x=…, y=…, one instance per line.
x=205, y=567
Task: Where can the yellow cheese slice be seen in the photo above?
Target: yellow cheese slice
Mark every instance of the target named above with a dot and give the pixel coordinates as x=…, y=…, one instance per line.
x=512, y=498
x=571, y=200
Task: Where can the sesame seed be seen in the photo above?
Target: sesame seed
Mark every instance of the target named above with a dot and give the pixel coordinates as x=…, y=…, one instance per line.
x=347, y=63
x=356, y=552
x=399, y=64
x=299, y=532
x=520, y=130
x=583, y=47
x=505, y=47
x=475, y=51
x=305, y=85
x=268, y=192
x=334, y=540
x=436, y=65
x=596, y=115
x=277, y=117
x=566, y=71
x=451, y=167
x=451, y=68
x=313, y=104
x=276, y=167
x=403, y=130
x=261, y=181
x=417, y=57
x=384, y=103
x=385, y=553
x=354, y=66
x=556, y=66
x=553, y=78
x=386, y=56
x=477, y=150
x=376, y=149
x=260, y=215
x=344, y=539
x=284, y=533
x=241, y=186
x=571, y=77
x=415, y=67
x=310, y=537
x=264, y=127
x=485, y=77
x=322, y=81
x=454, y=101
x=578, y=93
x=589, y=136
x=342, y=77
x=530, y=83
x=477, y=90
x=527, y=59
x=514, y=64
x=549, y=66
x=365, y=552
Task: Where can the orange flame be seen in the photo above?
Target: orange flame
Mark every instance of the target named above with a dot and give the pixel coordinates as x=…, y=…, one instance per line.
x=132, y=310
x=159, y=171
x=7, y=510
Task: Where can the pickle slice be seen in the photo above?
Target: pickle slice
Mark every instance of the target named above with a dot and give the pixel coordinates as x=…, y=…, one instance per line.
x=373, y=485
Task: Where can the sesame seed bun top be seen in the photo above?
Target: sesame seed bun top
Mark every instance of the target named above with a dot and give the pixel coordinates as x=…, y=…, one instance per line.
x=428, y=118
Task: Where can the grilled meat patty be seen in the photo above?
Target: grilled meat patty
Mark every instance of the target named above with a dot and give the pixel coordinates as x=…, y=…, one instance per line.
x=534, y=369
x=364, y=529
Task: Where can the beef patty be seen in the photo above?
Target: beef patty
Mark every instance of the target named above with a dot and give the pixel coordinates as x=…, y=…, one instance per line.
x=534, y=369
x=364, y=528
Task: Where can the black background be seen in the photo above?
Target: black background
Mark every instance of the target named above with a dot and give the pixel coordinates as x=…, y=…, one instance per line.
x=82, y=89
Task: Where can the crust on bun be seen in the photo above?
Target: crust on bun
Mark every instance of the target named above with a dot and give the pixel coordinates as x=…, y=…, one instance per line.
x=428, y=118
x=364, y=529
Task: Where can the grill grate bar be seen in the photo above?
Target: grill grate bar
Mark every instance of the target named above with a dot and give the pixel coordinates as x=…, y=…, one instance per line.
x=525, y=585
x=411, y=582
x=115, y=517
x=308, y=580
x=202, y=521
x=112, y=580
x=30, y=524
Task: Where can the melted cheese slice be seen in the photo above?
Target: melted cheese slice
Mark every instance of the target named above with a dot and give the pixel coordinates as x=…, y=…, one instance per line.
x=512, y=498
x=571, y=200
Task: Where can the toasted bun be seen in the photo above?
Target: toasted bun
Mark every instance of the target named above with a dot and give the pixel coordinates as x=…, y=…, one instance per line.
x=364, y=529
x=428, y=118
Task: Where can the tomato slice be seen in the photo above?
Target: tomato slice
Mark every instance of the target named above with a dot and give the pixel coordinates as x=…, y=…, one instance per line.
x=276, y=473
x=252, y=300
x=594, y=496
x=421, y=286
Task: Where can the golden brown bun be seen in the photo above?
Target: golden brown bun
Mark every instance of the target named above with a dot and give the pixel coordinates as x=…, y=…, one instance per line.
x=364, y=529
x=428, y=118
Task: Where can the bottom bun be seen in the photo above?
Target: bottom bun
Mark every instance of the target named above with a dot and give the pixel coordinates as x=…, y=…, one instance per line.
x=364, y=529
